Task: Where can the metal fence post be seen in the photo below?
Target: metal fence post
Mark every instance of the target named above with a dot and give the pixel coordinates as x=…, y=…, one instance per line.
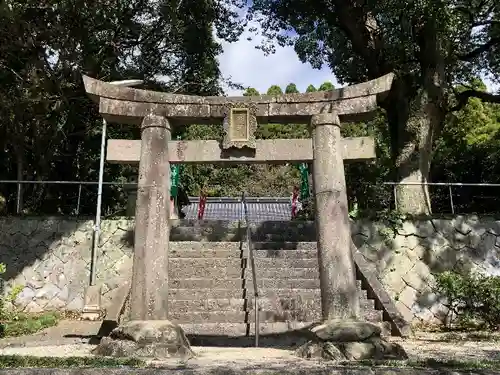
x=79, y=199
x=395, y=197
x=451, y=200
x=18, y=198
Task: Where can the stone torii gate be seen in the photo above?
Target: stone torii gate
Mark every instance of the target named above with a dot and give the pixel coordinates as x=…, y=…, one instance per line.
x=157, y=113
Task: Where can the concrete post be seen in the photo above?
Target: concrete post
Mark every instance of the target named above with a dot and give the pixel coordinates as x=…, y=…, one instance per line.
x=149, y=294
x=339, y=297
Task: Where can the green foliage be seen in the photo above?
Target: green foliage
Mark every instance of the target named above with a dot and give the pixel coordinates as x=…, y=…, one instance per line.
x=354, y=212
x=20, y=324
x=429, y=45
x=17, y=361
x=291, y=89
x=49, y=128
x=251, y=92
x=473, y=299
x=311, y=88
x=326, y=86
x=274, y=90
x=5, y=313
x=365, y=179
x=452, y=364
x=15, y=323
x=468, y=151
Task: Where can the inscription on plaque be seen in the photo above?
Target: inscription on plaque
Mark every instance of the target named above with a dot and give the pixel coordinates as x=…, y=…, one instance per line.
x=238, y=125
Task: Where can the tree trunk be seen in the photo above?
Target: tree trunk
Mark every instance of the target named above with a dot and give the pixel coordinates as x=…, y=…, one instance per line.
x=414, y=120
x=413, y=165
x=416, y=113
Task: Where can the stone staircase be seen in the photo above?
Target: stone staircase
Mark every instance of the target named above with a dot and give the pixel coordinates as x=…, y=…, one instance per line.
x=211, y=287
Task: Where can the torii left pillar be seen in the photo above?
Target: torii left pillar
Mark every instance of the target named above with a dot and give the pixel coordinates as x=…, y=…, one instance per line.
x=149, y=292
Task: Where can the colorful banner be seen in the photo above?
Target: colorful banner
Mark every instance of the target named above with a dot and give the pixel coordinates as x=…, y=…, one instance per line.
x=304, y=185
x=174, y=178
x=295, y=197
x=201, y=205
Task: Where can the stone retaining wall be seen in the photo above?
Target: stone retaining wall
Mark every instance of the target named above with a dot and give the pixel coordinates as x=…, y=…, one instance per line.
x=406, y=256
x=51, y=258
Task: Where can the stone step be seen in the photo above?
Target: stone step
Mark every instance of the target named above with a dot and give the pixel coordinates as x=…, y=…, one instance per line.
x=209, y=293
x=220, y=263
x=240, y=329
x=230, y=272
x=239, y=254
x=238, y=246
x=242, y=335
x=243, y=316
x=264, y=316
x=198, y=294
x=235, y=235
x=297, y=304
x=235, y=224
x=239, y=283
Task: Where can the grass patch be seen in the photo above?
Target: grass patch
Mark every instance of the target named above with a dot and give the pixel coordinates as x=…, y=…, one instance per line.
x=21, y=324
x=433, y=363
x=13, y=361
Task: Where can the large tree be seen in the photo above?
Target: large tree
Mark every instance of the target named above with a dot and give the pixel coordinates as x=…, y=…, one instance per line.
x=430, y=45
x=49, y=128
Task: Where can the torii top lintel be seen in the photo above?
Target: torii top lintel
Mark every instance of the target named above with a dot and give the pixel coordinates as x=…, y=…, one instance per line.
x=129, y=105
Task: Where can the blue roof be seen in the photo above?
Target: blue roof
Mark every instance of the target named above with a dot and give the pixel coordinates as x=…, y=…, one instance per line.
x=229, y=208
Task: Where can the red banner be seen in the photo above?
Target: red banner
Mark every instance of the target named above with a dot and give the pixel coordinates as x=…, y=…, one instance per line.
x=295, y=197
x=201, y=205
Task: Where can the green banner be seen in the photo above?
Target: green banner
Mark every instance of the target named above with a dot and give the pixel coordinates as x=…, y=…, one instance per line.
x=304, y=181
x=174, y=178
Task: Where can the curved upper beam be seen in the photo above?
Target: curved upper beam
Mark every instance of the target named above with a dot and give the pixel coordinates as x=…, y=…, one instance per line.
x=126, y=104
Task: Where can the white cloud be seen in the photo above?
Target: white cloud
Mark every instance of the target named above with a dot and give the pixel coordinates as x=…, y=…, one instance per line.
x=248, y=66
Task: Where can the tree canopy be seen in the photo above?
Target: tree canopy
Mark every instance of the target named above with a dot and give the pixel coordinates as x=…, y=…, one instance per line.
x=49, y=128
x=431, y=46
x=438, y=109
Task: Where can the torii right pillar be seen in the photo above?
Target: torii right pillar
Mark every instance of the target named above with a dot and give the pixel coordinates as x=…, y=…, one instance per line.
x=339, y=296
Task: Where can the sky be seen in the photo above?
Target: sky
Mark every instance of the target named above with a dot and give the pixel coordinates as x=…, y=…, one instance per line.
x=248, y=66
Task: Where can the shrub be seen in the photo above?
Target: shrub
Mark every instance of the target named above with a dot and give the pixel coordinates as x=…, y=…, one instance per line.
x=473, y=299
x=15, y=323
x=5, y=313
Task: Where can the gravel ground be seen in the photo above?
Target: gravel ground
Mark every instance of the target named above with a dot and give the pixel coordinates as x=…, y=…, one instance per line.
x=207, y=357
x=446, y=346
x=71, y=339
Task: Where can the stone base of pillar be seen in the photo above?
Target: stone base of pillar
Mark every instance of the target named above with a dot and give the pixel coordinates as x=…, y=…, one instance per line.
x=350, y=340
x=92, y=309
x=156, y=339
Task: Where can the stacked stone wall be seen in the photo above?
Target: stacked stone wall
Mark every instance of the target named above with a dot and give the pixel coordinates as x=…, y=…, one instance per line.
x=51, y=258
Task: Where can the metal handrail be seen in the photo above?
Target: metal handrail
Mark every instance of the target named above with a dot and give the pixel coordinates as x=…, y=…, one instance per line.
x=252, y=266
x=450, y=185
